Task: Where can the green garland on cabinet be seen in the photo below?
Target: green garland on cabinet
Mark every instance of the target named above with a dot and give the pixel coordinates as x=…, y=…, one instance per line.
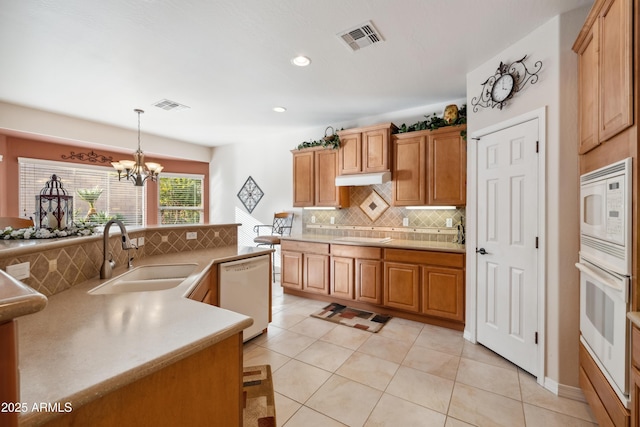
x=328, y=141
x=434, y=122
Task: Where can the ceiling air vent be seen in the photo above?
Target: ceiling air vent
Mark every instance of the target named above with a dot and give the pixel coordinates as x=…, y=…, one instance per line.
x=361, y=36
x=168, y=105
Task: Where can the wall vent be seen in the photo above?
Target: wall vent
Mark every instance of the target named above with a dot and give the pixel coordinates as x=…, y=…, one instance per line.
x=168, y=105
x=361, y=36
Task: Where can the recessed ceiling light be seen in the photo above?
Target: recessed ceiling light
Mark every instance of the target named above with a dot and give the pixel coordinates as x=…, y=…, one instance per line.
x=301, y=61
x=279, y=109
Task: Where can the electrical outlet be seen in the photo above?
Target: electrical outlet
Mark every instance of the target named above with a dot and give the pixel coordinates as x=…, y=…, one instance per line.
x=134, y=241
x=192, y=235
x=333, y=220
x=405, y=222
x=140, y=241
x=53, y=265
x=313, y=219
x=19, y=271
x=449, y=222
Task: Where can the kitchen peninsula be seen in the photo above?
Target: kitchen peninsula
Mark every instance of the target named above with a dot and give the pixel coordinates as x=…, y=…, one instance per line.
x=116, y=358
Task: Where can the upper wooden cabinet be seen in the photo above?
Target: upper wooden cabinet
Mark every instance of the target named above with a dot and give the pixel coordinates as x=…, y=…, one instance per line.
x=430, y=168
x=605, y=50
x=314, y=175
x=365, y=150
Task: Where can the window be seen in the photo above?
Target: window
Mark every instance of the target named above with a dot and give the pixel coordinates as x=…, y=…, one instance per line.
x=117, y=199
x=181, y=199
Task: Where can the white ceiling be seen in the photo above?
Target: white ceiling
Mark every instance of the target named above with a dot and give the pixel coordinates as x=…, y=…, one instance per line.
x=229, y=60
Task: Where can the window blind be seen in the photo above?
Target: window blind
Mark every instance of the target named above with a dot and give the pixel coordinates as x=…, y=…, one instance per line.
x=180, y=199
x=119, y=199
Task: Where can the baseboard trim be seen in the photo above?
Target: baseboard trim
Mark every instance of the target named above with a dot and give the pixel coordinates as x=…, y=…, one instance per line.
x=561, y=390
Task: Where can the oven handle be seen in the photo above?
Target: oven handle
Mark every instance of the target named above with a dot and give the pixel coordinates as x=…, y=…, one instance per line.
x=615, y=284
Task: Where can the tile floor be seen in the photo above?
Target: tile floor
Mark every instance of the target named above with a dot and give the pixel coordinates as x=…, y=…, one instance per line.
x=408, y=374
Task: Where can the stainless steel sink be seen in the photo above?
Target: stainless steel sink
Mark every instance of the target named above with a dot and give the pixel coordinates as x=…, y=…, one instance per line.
x=146, y=278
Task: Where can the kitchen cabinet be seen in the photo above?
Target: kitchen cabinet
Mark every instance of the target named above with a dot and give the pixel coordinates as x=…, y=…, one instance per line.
x=9, y=386
x=305, y=266
x=314, y=174
x=442, y=292
x=365, y=150
x=356, y=273
x=430, y=168
x=206, y=290
x=635, y=376
x=605, y=72
x=401, y=286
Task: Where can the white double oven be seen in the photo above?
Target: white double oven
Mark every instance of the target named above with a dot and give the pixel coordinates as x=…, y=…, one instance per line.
x=605, y=270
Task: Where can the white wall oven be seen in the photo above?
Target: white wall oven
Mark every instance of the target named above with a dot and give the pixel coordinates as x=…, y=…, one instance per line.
x=605, y=270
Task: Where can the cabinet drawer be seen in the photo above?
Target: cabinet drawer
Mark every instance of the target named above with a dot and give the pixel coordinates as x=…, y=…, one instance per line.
x=363, y=252
x=306, y=247
x=446, y=259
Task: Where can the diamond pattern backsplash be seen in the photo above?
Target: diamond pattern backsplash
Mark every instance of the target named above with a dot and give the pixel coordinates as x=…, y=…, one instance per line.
x=391, y=217
x=78, y=263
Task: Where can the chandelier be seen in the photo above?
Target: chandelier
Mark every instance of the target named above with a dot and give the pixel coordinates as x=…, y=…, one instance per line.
x=137, y=170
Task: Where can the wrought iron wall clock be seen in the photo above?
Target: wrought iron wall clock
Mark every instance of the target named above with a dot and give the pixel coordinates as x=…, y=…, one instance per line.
x=250, y=194
x=508, y=80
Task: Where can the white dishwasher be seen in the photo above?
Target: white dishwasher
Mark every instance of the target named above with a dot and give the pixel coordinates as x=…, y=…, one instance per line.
x=244, y=288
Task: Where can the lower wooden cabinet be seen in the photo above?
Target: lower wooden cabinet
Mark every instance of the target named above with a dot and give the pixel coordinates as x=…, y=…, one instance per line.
x=305, y=266
x=356, y=273
x=401, y=286
x=316, y=273
x=342, y=277
x=368, y=281
x=442, y=292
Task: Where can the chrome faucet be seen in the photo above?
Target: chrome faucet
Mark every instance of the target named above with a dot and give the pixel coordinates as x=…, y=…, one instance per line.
x=108, y=263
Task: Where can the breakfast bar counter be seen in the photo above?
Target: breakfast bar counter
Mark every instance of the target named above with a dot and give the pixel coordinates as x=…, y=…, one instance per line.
x=379, y=242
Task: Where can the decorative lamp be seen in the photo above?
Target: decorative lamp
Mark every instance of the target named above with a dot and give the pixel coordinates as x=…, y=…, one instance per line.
x=136, y=170
x=54, y=206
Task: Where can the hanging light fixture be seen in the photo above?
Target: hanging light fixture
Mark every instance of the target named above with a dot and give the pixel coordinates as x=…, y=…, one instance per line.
x=137, y=170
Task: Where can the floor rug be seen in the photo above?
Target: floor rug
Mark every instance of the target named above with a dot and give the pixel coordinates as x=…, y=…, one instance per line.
x=259, y=408
x=353, y=317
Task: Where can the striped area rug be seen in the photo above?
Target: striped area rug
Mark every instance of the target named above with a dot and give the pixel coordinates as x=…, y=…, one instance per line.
x=259, y=408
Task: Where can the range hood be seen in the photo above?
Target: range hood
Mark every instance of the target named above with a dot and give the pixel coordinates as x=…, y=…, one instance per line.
x=363, y=179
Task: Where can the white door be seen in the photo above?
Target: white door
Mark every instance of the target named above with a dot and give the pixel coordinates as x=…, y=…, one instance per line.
x=507, y=229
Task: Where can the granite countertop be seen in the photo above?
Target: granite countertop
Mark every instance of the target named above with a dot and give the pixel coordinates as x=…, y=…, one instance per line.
x=84, y=346
x=379, y=242
x=18, y=299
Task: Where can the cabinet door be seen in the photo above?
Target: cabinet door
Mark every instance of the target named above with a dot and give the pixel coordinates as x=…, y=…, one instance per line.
x=375, y=151
x=616, y=72
x=401, y=286
x=342, y=279
x=326, y=168
x=447, y=169
x=369, y=281
x=588, y=91
x=350, y=153
x=443, y=292
x=409, y=173
x=291, y=269
x=303, y=176
x=316, y=273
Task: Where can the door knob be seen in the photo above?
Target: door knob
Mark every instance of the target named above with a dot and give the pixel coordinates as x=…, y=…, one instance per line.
x=481, y=251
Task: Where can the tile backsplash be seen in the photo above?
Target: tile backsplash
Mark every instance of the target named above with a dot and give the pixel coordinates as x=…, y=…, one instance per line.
x=391, y=217
x=55, y=270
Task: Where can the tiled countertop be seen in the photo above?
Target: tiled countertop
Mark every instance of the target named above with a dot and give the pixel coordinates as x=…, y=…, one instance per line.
x=84, y=346
x=17, y=299
x=379, y=242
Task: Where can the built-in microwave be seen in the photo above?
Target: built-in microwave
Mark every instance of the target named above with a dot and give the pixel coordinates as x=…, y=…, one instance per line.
x=605, y=216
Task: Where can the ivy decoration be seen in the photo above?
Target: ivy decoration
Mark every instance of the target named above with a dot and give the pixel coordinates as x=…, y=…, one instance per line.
x=331, y=141
x=434, y=122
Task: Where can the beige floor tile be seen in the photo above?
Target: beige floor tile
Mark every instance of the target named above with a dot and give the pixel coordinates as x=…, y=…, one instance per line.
x=369, y=370
x=344, y=400
x=536, y=395
x=351, y=338
x=298, y=381
x=314, y=328
x=286, y=319
x=498, y=380
x=480, y=353
x=325, y=355
x=540, y=417
x=483, y=408
x=264, y=356
x=306, y=417
x=285, y=408
x=441, y=339
x=272, y=331
x=289, y=343
x=401, y=329
x=393, y=411
x=385, y=348
x=452, y=422
x=433, y=362
x=421, y=388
